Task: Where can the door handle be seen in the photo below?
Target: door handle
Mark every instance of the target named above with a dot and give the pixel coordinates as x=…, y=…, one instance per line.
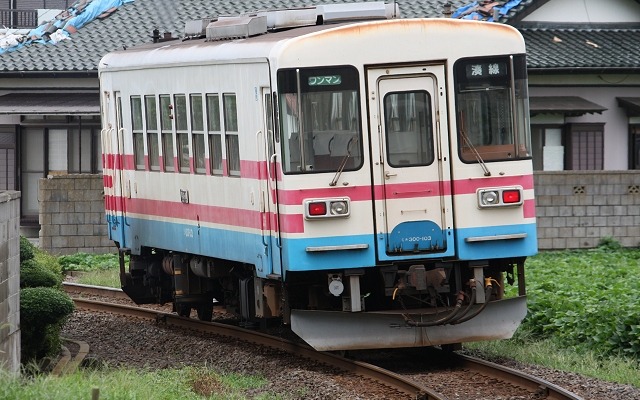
x=388, y=175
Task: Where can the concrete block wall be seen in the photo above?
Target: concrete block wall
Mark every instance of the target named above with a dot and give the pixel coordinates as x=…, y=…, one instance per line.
x=10, y=281
x=72, y=215
x=576, y=209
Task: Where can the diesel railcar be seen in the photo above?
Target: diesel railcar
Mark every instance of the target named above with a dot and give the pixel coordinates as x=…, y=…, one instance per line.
x=364, y=178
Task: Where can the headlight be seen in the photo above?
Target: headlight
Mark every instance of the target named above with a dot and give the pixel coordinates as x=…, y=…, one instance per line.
x=339, y=207
x=489, y=198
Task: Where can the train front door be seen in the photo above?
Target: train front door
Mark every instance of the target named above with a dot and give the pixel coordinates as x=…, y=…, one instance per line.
x=413, y=205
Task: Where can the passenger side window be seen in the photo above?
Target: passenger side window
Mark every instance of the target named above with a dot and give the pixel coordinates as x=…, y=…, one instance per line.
x=197, y=133
x=166, y=115
x=137, y=132
x=182, y=132
x=215, y=133
x=231, y=133
x=151, y=115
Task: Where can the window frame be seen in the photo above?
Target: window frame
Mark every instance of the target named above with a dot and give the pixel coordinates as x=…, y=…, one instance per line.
x=152, y=132
x=198, y=140
x=137, y=132
x=166, y=133
x=181, y=120
x=231, y=133
x=214, y=130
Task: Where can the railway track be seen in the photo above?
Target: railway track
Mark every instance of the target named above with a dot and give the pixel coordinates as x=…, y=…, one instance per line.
x=398, y=381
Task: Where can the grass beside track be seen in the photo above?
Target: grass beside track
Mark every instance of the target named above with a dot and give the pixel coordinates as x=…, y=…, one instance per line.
x=170, y=384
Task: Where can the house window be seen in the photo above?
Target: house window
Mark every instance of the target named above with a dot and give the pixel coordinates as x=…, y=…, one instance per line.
x=166, y=131
x=182, y=132
x=197, y=133
x=83, y=150
x=151, y=115
x=547, y=147
x=7, y=158
x=634, y=146
x=585, y=147
x=231, y=133
x=138, y=137
x=215, y=134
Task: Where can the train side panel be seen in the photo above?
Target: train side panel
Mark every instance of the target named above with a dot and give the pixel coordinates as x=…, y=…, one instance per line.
x=207, y=213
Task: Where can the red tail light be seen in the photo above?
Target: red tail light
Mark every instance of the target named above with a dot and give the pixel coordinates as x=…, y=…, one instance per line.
x=316, y=209
x=511, y=196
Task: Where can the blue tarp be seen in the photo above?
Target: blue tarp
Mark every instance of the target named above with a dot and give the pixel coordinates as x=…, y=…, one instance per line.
x=63, y=25
x=472, y=10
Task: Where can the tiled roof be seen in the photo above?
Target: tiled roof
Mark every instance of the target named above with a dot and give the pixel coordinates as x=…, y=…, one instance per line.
x=134, y=22
x=564, y=49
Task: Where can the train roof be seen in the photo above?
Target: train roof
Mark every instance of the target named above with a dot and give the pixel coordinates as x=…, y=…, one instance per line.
x=269, y=44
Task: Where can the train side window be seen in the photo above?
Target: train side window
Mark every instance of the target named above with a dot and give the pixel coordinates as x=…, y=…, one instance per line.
x=182, y=132
x=151, y=114
x=197, y=133
x=166, y=131
x=138, y=135
x=231, y=133
x=215, y=133
x=118, y=111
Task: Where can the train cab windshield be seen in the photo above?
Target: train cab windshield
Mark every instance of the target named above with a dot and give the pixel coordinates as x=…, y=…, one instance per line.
x=492, y=103
x=319, y=118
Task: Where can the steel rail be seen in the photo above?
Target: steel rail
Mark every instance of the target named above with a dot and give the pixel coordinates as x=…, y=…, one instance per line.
x=519, y=378
x=102, y=291
x=392, y=380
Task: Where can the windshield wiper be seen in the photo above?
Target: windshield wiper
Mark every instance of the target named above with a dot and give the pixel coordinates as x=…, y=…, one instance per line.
x=467, y=141
x=343, y=163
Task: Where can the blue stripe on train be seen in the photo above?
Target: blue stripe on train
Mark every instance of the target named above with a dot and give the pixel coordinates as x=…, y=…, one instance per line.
x=307, y=254
x=503, y=248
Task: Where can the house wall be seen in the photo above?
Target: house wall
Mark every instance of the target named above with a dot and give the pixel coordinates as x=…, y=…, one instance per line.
x=576, y=209
x=72, y=217
x=615, y=119
x=10, y=281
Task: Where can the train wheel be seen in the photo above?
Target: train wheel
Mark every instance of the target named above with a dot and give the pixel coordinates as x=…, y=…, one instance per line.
x=205, y=311
x=183, y=310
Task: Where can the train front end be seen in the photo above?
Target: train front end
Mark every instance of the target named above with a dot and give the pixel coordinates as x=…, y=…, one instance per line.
x=405, y=192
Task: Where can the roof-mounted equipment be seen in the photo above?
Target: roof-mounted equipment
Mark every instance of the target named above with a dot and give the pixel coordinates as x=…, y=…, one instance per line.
x=257, y=23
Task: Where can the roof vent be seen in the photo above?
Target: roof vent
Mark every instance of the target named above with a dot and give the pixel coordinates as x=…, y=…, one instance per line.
x=355, y=11
x=196, y=27
x=237, y=27
x=252, y=24
x=290, y=18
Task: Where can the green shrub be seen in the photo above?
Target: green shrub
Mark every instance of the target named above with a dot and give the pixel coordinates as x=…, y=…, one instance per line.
x=27, y=249
x=48, y=261
x=33, y=274
x=43, y=310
